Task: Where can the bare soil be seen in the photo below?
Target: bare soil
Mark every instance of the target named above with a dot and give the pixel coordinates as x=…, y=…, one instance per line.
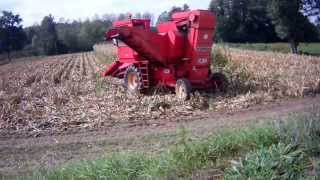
x=21, y=155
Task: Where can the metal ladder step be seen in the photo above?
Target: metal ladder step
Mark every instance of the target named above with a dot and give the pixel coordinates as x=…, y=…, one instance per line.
x=144, y=69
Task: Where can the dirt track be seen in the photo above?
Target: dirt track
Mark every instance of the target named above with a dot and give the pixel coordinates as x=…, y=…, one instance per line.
x=20, y=155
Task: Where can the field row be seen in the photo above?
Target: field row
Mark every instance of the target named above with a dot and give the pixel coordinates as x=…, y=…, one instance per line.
x=66, y=92
x=57, y=69
x=32, y=92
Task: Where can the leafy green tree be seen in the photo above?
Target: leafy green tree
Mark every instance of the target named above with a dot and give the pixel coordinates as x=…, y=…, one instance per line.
x=12, y=36
x=122, y=16
x=76, y=36
x=290, y=23
x=68, y=34
x=166, y=15
x=243, y=21
x=138, y=16
x=31, y=32
x=91, y=33
x=147, y=15
x=46, y=39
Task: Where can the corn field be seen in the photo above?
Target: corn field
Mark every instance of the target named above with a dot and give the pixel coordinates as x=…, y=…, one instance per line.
x=280, y=74
x=66, y=93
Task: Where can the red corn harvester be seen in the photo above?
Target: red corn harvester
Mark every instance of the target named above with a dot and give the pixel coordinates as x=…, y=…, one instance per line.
x=177, y=56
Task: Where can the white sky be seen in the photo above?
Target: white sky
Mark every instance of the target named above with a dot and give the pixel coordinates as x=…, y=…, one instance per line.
x=32, y=11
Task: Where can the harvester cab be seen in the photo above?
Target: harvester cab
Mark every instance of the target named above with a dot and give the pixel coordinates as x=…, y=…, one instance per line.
x=177, y=56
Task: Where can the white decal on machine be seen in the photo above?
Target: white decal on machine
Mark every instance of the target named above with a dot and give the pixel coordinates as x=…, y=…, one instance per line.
x=202, y=60
x=166, y=71
x=205, y=36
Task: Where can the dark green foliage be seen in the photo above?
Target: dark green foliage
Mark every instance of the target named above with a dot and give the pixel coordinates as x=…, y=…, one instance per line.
x=303, y=130
x=276, y=162
x=46, y=39
x=243, y=21
x=166, y=15
x=299, y=136
x=147, y=15
x=290, y=23
x=194, y=156
x=122, y=16
x=68, y=34
x=67, y=37
x=81, y=36
x=92, y=32
x=12, y=36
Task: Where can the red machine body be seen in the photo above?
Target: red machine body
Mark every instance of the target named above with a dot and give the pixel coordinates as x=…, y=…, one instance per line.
x=181, y=48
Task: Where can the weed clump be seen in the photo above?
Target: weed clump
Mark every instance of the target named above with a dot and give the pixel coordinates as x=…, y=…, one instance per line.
x=276, y=162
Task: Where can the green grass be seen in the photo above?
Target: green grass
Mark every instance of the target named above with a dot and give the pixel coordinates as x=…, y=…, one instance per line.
x=270, y=151
x=276, y=162
x=304, y=48
x=299, y=136
x=178, y=162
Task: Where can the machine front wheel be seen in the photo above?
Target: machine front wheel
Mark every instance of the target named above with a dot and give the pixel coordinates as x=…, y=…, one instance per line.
x=183, y=89
x=132, y=80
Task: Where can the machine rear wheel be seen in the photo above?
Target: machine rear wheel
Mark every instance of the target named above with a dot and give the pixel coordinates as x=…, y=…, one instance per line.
x=133, y=80
x=220, y=82
x=183, y=89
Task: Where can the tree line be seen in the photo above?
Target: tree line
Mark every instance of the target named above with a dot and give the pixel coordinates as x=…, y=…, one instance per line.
x=51, y=37
x=241, y=21
x=246, y=21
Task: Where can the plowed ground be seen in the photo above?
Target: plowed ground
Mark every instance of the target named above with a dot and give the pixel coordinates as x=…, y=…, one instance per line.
x=65, y=94
x=55, y=109
x=49, y=94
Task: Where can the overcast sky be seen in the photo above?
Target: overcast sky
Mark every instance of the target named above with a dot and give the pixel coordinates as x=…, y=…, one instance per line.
x=32, y=11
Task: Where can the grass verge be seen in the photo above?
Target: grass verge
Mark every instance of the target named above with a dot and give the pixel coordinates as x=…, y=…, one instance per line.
x=279, y=161
x=280, y=150
x=178, y=162
x=295, y=157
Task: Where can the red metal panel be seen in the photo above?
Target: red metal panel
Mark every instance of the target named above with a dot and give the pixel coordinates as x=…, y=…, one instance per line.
x=165, y=27
x=181, y=48
x=125, y=52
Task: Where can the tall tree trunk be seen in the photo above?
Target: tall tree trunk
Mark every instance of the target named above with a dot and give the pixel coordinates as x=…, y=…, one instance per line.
x=9, y=56
x=294, y=46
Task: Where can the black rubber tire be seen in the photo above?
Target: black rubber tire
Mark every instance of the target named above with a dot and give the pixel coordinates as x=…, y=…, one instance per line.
x=220, y=82
x=183, y=89
x=131, y=87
